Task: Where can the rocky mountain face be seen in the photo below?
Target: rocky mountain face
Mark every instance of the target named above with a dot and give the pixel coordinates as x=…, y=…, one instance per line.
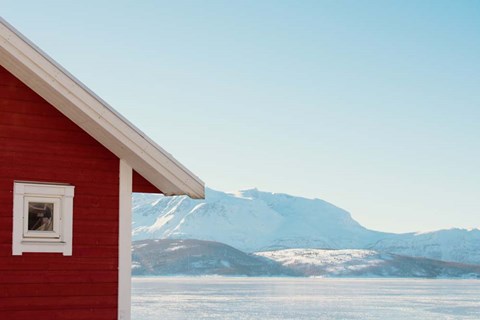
x=253, y=221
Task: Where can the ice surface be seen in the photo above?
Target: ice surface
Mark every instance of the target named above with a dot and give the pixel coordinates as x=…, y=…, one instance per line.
x=293, y=298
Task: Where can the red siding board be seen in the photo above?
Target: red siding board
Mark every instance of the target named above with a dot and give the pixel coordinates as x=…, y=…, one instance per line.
x=44, y=135
x=17, y=92
x=58, y=173
x=58, y=276
x=31, y=263
x=68, y=150
x=45, y=302
x=25, y=107
x=35, y=121
x=140, y=184
x=98, y=313
x=38, y=143
x=63, y=289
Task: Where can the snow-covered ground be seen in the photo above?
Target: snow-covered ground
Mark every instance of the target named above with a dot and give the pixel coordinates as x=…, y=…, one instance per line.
x=332, y=262
x=366, y=263
x=296, y=298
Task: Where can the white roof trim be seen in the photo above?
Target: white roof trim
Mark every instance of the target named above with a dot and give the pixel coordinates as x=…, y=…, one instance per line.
x=56, y=85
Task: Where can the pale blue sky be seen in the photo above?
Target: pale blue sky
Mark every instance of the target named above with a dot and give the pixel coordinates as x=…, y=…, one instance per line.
x=371, y=105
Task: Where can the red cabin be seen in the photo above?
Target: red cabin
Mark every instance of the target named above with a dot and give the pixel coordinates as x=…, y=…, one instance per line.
x=68, y=166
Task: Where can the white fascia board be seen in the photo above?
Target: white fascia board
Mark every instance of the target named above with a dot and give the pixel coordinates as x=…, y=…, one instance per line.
x=52, y=82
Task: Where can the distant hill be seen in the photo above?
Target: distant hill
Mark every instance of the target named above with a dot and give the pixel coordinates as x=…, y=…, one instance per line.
x=367, y=263
x=253, y=220
x=196, y=257
x=457, y=245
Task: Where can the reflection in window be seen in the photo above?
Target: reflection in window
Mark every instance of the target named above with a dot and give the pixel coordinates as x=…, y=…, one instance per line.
x=40, y=216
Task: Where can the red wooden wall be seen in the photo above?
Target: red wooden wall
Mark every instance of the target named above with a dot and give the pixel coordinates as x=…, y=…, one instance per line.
x=37, y=143
x=141, y=185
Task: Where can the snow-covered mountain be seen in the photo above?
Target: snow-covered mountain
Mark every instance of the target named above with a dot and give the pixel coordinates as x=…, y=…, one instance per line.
x=250, y=221
x=253, y=220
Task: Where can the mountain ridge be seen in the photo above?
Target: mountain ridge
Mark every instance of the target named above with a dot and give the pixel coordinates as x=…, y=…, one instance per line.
x=169, y=257
x=253, y=220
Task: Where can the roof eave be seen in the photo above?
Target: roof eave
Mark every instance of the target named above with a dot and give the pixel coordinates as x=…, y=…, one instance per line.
x=52, y=82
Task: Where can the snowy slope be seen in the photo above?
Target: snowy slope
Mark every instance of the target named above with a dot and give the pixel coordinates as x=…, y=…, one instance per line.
x=250, y=221
x=236, y=221
x=366, y=263
x=253, y=220
x=458, y=245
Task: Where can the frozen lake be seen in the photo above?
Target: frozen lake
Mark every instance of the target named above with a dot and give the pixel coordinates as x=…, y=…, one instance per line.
x=292, y=298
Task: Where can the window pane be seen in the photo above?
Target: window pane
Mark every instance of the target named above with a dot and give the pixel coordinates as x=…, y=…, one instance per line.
x=40, y=216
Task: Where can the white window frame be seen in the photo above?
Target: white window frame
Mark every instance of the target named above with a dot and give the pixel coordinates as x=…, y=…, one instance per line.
x=60, y=239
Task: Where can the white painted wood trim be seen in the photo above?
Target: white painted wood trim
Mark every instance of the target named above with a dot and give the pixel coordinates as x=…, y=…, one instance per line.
x=43, y=75
x=125, y=242
x=63, y=196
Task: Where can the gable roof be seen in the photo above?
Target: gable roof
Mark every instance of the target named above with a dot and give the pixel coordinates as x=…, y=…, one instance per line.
x=63, y=91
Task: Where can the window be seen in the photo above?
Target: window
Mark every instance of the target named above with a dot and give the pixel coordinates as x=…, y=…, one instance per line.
x=42, y=218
